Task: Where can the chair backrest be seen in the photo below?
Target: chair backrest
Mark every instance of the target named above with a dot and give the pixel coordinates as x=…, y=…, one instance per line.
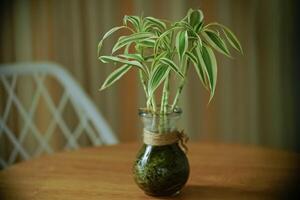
x=15, y=84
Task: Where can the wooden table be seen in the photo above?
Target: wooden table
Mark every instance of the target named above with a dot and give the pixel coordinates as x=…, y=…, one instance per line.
x=218, y=171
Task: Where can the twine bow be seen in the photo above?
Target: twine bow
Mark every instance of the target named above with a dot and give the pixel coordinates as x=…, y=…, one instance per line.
x=160, y=139
x=183, y=139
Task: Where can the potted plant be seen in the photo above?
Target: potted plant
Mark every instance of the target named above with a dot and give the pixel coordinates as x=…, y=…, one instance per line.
x=163, y=52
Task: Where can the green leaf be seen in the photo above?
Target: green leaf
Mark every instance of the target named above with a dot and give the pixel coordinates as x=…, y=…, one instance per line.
x=135, y=56
x=125, y=40
x=195, y=18
x=134, y=20
x=196, y=58
x=197, y=66
x=157, y=77
x=156, y=22
x=161, y=37
x=149, y=58
x=149, y=27
x=147, y=43
x=231, y=38
x=191, y=32
x=114, y=59
x=107, y=34
x=114, y=76
x=211, y=66
x=181, y=43
x=173, y=66
x=198, y=44
x=157, y=57
x=192, y=57
x=216, y=42
x=198, y=28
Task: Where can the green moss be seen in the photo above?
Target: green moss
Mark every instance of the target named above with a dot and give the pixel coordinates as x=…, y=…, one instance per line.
x=161, y=170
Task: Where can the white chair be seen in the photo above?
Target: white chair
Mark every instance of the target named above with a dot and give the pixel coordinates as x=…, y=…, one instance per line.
x=90, y=121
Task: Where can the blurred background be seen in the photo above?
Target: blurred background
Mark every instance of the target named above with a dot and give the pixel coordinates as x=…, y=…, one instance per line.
x=257, y=95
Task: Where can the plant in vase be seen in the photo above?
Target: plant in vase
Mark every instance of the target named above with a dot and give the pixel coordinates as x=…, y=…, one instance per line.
x=163, y=52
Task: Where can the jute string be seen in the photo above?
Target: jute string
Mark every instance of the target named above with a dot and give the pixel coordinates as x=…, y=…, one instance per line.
x=160, y=139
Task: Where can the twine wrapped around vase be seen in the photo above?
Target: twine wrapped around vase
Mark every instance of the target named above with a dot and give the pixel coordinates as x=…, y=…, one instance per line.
x=160, y=139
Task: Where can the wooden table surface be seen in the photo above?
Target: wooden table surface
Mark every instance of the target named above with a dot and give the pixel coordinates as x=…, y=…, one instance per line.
x=218, y=171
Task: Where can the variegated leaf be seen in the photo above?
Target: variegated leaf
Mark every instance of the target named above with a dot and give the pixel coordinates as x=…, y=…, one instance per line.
x=173, y=66
x=159, y=74
x=107, y=34
x=211, y=66
x=114, y=76
x=156, y=22
x=215, y=41
x=114, y=59
x=125, y=40
x=181, y=43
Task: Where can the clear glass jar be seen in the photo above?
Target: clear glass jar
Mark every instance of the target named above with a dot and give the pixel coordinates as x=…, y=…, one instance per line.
x=161, y=170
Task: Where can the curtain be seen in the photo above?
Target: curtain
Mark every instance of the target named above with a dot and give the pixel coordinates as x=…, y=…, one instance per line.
x=255, y=97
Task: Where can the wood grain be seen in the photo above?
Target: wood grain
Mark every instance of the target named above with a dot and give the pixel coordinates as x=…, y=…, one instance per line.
x=218, y=171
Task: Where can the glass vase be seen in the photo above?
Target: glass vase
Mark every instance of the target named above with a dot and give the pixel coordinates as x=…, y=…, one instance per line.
x=161, y=170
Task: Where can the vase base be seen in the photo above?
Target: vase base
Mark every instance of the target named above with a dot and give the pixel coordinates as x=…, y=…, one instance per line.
x=163, y=195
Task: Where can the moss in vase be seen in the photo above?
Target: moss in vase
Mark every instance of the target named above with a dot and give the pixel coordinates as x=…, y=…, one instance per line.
x=161, y=170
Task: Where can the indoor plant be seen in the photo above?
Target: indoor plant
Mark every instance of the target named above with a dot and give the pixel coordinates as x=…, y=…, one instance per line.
x=163, y=51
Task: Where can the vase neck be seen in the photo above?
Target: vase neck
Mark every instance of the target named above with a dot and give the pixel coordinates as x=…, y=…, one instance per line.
x=160, y=123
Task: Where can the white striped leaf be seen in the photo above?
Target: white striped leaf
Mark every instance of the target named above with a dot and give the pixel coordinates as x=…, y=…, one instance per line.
x=202, y=67
x=134, y=20
x=215, y=41
x=147, y=42
x=134, y=56
x=157, y=58
x=125, y=40
x=211, y=66
x=161, y=37
x=114, y=59
x=195, y=18
x=158, y=76
x=173, y=66
x=191, y=32
x=181, y=43
x=198, y=68
x=156, y=22
x=107, y=34
x=230, y=36
x=232, y=39
x=114, y=76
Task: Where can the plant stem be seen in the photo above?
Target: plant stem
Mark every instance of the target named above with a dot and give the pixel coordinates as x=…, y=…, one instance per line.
x=143, y=81
x=181, y=85
x=165, y=96
x=153, y=104
x=154, y=112
x=144, y=86
x=164, y=107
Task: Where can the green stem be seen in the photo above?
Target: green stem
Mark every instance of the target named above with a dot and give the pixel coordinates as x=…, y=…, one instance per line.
x=164, y=106
x=180, y=88
x=154, y=114
x=153, y=104
x=165, y=96
x=143, y=81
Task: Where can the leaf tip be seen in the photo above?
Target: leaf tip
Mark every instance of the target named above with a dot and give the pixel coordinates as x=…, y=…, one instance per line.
x=210, y=99
x=101, y=88
x=100, y=58
x=242, y=51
